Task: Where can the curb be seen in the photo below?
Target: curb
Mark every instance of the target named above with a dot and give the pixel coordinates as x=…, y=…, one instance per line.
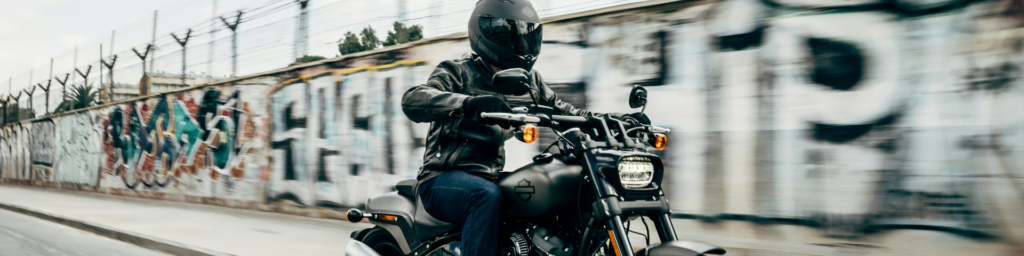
x=144, y=241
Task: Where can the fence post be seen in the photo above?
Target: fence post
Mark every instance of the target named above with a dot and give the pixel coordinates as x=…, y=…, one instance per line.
x=144, y=83
x=183, y=48
x=234, y=41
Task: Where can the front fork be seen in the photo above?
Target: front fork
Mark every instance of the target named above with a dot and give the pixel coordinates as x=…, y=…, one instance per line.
x=619, y=236
x=611, y=211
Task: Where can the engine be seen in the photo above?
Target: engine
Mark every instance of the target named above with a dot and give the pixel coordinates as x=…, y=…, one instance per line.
x=553, y=241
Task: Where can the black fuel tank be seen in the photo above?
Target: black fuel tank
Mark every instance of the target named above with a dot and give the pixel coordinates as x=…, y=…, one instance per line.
x=540, y=189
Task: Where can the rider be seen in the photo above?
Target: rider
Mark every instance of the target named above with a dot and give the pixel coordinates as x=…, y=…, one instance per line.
x=456, y=182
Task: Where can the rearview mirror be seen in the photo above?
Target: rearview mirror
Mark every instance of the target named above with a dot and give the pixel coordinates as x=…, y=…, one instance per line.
x=637, y=97
x=514, y=81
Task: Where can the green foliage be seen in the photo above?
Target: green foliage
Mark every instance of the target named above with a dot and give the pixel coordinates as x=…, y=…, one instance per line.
x=402, y=34
x=80, y=96
x=350, y=44
x=370, y=40
x=365, y=41
x=309, y=58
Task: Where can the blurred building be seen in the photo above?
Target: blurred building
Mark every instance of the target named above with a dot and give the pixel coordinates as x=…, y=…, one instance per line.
x=123, y=91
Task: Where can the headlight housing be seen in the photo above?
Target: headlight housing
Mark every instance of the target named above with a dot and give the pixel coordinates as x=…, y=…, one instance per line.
x=635, y=171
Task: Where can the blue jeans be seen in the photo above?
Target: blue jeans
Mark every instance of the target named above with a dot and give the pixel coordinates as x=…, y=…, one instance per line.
x=458, y=197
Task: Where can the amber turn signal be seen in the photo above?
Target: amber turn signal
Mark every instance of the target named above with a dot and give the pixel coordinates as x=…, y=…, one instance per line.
x=386, y=217
x=660, y=141
x=529, y=133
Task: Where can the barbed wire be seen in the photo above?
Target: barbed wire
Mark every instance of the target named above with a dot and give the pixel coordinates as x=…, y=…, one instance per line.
x=266, y=27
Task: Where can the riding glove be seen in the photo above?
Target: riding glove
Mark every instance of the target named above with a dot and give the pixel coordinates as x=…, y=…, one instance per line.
x=486, y=104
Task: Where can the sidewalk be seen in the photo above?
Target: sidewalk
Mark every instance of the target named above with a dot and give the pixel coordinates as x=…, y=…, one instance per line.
x=217, y=230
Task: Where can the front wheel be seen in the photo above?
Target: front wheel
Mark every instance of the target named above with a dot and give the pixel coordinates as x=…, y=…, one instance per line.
x=381, y=241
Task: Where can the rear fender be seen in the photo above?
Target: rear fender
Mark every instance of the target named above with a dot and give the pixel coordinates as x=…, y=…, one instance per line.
x=394, y=204
x=681, y=248
x=356, y=248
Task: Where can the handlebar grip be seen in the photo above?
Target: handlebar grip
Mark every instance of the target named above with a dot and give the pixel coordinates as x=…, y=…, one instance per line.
x=569, y=119
x=511, y=117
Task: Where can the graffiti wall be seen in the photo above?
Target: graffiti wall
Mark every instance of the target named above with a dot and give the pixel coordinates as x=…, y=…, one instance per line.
x=42, y=149
x=79, y=151
x=17, y=163
x=206, y=142
x=849, y=118
x=340, y=136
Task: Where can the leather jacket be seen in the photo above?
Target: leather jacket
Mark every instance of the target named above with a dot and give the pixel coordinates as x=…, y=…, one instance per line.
x=455, y=142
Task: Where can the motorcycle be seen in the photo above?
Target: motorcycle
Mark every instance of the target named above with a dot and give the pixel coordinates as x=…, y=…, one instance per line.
x=575, y=201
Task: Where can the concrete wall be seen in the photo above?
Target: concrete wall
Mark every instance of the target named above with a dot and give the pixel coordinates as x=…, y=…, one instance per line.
x=841, y=119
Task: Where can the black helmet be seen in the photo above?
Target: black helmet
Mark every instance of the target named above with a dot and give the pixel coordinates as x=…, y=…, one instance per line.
x=505, y=33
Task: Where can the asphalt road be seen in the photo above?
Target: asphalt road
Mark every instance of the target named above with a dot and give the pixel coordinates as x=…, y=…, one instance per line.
x=25, y=235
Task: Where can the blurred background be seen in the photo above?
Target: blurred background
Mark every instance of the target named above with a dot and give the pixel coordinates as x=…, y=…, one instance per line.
x=806, y=127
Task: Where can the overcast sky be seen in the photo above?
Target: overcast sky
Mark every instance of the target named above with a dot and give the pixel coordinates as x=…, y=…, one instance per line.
x=33, y=31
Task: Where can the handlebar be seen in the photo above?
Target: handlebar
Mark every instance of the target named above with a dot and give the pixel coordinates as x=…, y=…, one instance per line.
x=545, y=120
x=512, y=117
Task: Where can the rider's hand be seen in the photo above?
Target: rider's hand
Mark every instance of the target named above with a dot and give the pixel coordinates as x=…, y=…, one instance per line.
x=490, y=104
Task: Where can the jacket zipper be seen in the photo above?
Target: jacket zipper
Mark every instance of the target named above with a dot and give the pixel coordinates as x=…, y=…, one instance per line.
x=458, y=151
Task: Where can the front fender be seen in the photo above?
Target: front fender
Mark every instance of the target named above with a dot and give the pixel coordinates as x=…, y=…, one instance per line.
x=681, y=248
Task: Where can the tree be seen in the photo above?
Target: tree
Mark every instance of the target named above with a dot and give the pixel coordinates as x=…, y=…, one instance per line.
x=365, y=41
x=78, y=97
x=369, y=37
x=350, y=45
x=402, y=34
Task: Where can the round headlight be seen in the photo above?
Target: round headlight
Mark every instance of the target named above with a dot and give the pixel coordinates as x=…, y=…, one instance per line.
x=636, y=171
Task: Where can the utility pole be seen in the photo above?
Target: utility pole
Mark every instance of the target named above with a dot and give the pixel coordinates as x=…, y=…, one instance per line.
x=75, y=64
x=110, y=71
x=401, y=10
x=435, y=20
x=302, y=33
x=144, y=83
x=103, y=87
x=110, y=68
x=234, y=41
x=112, y=42
x=183, y=48
x=213, y=38
x=153, y=44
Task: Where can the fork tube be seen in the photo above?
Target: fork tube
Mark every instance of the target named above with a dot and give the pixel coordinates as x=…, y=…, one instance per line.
x=619, y=238
x=666, y=232
x=588, y=235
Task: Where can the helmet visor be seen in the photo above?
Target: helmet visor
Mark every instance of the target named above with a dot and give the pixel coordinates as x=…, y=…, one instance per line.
x=523, y=38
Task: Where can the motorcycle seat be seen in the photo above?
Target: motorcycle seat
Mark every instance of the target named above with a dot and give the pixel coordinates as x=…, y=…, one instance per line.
x=426, y=226
x=405, y=188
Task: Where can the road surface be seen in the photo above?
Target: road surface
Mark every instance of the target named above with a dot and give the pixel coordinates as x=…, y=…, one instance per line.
x=25, y=235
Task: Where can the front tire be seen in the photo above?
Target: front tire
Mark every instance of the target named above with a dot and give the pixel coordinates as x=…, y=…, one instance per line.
x=381, y=241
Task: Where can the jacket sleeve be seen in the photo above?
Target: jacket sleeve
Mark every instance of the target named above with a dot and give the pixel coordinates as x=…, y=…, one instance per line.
x=436, y=99
x=552, y=99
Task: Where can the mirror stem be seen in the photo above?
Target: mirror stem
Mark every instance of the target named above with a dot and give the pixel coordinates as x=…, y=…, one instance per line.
x=535, y=102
